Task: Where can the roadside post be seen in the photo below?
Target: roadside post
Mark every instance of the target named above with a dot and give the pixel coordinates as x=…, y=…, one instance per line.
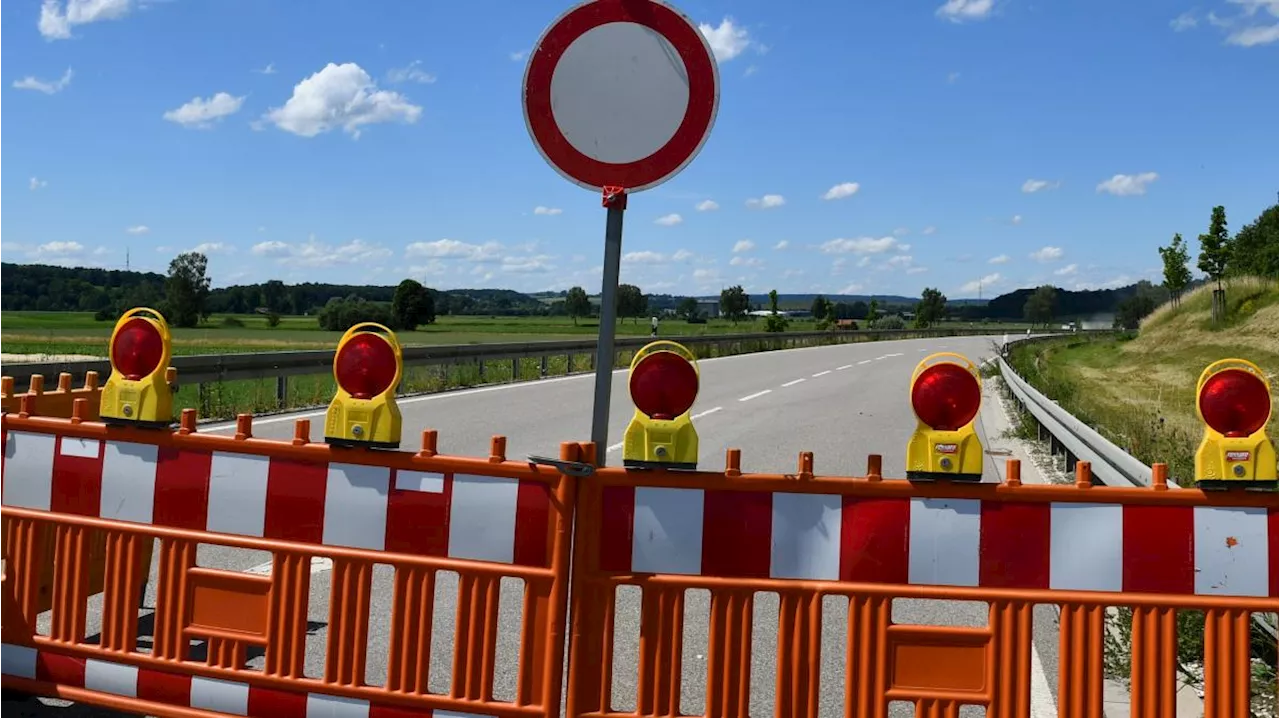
x=619, y=96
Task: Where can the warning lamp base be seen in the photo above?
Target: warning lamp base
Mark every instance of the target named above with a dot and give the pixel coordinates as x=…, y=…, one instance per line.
x=356, y=444
x=943, y=476
x=136, y=424
x=674, y=465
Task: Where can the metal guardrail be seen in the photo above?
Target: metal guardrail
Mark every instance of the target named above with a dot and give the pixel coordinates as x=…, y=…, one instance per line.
x=203, y=368
x=1109, y=463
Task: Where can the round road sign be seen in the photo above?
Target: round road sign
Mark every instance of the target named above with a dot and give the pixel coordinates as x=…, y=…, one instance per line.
x=620, y=93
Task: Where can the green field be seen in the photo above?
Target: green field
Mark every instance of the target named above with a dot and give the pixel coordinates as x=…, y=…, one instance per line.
x=61, y=333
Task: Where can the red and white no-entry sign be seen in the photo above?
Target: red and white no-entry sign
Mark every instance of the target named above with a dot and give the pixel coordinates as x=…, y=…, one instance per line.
x=620, y=93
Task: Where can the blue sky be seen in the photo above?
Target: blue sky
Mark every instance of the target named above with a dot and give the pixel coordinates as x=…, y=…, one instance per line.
x=859, y=147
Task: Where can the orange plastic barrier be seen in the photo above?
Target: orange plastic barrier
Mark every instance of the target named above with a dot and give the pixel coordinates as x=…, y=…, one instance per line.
x=57, y=402
x=418, y=514
x=869, y=540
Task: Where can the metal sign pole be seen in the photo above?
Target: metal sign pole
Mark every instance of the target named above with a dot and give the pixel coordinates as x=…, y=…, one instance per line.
x=615, y=199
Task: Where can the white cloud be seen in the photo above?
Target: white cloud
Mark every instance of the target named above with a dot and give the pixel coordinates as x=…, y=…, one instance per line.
x=270, y=69
x=203, y=114
x=1047, y=254
x=669, y=220
x=989, y=280
x=768, y=201
x=743, y=245
x=961, y=10
x=782, y=245
x=270, y=248
x=1254, y=35
x=340, y=96
x=903, y=247
x=999, y=259
x=314, y=253
x=518, y=55
x=746, y=262
x=851, y=289
x=138, y=229
x=842, y=190
x=681, y=255
x=1067, y=270
x=707, y=205
x=48, y=87
x=1113, y=283
x=37, y=183
x=57, y=249
x=1185, y=21
x=902, y=260
x=644, y=257
x=1125, y=185
x=550, y=211
x=1016, y=219
x=866, y=259
x=1036, y=185
x=102, y=251
x=727, y=41
x=706, y=277
x=537, y=264
x=454, y=249
x=901, y=232
x=213, y=248
x=916, y=270
x=929, y=230
x=411, y=73
x=55, y=23
x=860, y=245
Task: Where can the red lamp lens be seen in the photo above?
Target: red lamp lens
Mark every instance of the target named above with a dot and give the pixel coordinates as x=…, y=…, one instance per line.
x=137, y=349
x=1235, y=403
x=366, y=366
x=946, y=397
x=664, y=385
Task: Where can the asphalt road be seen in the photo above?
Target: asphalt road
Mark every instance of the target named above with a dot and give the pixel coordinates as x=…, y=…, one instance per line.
x=840, y=402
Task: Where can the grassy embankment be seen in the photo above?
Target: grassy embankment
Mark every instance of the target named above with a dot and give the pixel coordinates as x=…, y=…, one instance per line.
x=49, y=334
x=1140, y=392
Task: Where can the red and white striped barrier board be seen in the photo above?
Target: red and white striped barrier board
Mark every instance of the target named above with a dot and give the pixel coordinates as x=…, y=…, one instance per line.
x=460, y=516
x=1202, y=550
x=199, y=692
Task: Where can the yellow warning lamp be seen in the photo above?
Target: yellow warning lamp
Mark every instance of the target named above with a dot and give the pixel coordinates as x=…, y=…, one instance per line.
x=945, y=396
x=663, y=381
x=367, y=368
x=138, y=393
x=1233, y=399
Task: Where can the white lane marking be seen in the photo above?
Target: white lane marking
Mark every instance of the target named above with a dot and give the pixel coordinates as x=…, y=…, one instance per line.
x=883, y=356
x=821, y=373
x=1042, y=703
x=756, y=395
x=887, y=356
x=615, y=447
x=319, y=564
x=988, y=361
x=402, y=401
x=701, y=414
x=842, y=368
x=922, y=351
x=864, y=361
x=793, y=382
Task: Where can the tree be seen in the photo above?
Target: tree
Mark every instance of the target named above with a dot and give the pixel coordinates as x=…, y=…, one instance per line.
x=687, y=309
x=273, y=296
x=187, y=289
x=873, y=311
x=412, y=306
x=776, y=322
x=857, y=310
x=821, y=307
x=1131, y=311
x=631, y=301
x=734, y=302
x=341, y=313
x=577, y=304
x=1176, y=272
x=1215, y=252
x=1041, y=305
x=1254, y=249
x=931, y=307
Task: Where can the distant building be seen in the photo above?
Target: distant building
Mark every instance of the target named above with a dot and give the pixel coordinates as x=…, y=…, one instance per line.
x=709, y=307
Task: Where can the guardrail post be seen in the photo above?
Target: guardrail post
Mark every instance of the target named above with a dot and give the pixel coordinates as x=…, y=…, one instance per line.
x=515, y=369
x=543, y=367
x=282, y=392
x=480, y=369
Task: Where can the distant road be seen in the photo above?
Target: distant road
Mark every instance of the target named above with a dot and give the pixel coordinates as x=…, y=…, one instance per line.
x=840, y=402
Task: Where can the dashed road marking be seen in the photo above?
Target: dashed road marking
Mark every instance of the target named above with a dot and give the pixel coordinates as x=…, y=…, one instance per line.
x=793, y=382
x=319, y=564
x=842, y=368
x=865, y=361
x=701, y=414
x=821, y=373
x=615, y=447
x=756, y=395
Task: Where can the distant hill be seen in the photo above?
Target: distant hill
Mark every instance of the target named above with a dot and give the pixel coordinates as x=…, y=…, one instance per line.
x=49, y=288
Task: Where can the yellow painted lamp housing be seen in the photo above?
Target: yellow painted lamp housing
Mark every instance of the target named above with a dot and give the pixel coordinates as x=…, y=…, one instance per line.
x=138, y=392
x=946, y=393
x=1233, y=399
x=663, y=381
x=367, y=368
